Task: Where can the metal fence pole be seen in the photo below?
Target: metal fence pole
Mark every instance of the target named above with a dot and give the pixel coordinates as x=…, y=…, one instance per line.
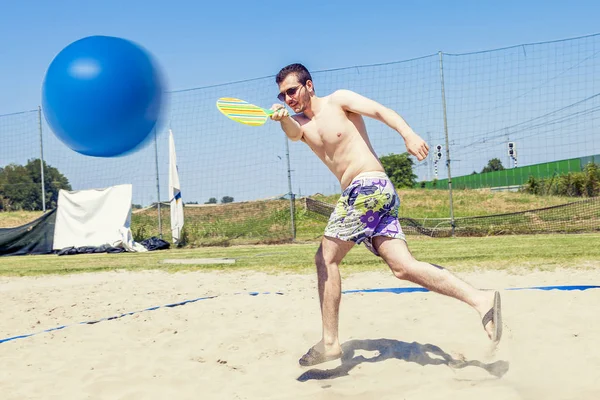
x=291, y=193
x=447, y=143
x=42, y=160
x=157, y=184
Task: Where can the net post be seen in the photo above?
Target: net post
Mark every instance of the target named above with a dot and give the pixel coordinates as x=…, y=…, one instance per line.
x=160, y=235
x=42, y=160
x=447, y=142
x=291, y=192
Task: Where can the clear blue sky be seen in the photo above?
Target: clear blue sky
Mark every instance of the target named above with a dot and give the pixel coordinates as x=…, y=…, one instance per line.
x=200, y=44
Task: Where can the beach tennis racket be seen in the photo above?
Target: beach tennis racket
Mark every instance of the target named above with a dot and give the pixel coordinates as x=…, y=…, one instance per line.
x=243, y=112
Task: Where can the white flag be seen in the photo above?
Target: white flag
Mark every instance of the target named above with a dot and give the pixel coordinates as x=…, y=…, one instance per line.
x=175, y=193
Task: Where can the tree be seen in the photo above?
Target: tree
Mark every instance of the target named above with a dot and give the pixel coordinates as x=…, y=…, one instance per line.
x=16, y=188
x=212, y=200
x=399, y=167
x=493, y=165
x=54, y=181
x=227, y=199
x=20, y=186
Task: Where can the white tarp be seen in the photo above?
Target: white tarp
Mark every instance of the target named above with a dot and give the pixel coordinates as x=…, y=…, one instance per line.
x=95, y=217
x=175, y=193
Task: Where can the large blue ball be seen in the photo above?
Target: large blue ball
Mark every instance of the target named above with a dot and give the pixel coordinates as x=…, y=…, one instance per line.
x=102, y=96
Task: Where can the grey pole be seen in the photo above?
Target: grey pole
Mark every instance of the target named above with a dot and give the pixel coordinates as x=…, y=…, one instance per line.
x=42, y=160
x=289, y=173
x=447, y=143
x=429, y=163
x=157, y=184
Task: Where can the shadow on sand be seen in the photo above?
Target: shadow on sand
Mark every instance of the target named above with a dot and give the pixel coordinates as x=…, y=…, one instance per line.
x=422, y=354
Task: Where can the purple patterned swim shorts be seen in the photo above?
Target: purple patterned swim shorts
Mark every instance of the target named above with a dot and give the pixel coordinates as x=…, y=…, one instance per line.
x=367, y=208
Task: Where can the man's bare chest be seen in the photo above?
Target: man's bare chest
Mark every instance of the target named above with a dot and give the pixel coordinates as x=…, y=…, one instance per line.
x=327, y=132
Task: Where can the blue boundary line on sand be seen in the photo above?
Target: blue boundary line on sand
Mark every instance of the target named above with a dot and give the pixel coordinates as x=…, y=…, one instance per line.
x=421, y=289
x=107, y=318
x=180, y=303
x=382, y=290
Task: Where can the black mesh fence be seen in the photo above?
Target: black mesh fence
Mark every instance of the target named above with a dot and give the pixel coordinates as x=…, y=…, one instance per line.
x=577, y=217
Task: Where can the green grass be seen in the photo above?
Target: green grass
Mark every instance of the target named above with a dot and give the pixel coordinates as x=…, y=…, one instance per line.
x=256, y=222
x=509, y=253
x=16, y=218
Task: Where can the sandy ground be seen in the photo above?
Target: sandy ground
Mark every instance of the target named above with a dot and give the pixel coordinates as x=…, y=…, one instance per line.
x=242, y=346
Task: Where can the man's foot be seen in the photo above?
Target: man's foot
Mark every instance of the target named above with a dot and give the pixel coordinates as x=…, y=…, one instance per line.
x=491, y=317
x=319, y=354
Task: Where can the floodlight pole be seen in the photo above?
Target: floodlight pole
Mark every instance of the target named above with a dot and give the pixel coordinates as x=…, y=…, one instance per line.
x=447, y=143
x=42, y=160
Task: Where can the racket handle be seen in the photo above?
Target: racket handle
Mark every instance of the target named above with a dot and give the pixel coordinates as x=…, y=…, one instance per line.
x=271, y=112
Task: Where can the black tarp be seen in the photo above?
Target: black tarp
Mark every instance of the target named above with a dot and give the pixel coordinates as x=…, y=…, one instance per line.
x=36, y=237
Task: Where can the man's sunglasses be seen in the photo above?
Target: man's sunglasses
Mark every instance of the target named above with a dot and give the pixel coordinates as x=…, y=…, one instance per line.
x=290, y=92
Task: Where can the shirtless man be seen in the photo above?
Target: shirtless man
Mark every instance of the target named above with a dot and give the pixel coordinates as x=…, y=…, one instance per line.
x=367, y=211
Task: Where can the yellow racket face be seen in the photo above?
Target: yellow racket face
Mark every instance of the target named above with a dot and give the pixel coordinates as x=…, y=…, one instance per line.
x=243, y=112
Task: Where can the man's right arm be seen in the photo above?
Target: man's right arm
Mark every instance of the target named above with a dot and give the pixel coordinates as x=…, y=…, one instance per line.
x=290, y=126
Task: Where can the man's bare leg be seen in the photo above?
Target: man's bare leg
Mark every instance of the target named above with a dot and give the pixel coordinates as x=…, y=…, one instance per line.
x=435, y=278
x=327, y=260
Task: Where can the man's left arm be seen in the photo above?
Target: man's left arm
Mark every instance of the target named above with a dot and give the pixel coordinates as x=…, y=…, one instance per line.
x=356, y=103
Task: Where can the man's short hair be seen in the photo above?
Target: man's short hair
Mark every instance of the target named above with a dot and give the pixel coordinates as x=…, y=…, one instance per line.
x=300, y=70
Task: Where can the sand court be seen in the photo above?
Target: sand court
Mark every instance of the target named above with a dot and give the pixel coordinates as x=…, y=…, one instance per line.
x=242, y=337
